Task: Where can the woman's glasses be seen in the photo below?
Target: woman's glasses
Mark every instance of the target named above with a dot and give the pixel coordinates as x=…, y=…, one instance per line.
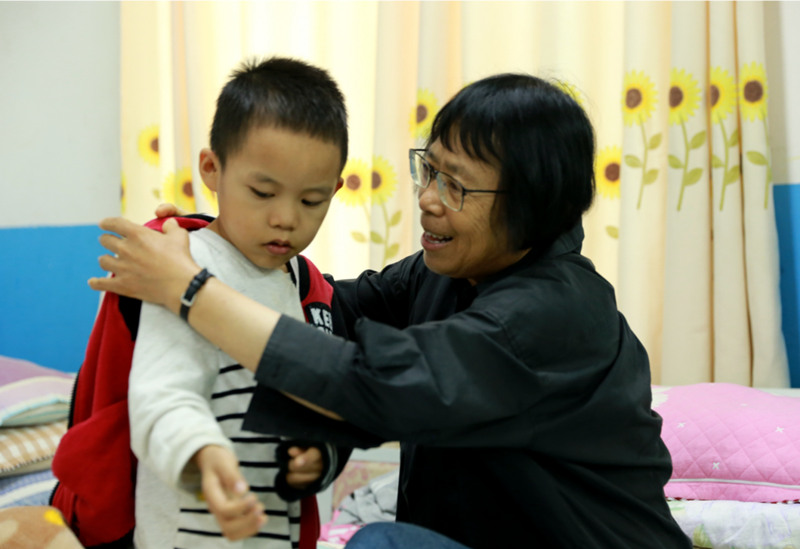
x=451, y=192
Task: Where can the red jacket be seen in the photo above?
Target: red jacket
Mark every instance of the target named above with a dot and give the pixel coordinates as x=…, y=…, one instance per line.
x=95, y=467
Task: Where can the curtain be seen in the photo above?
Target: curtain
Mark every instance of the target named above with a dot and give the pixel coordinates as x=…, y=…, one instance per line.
x=683, y=222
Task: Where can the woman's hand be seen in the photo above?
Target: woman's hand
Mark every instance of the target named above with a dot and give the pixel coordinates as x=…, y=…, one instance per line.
x=147, y=265
x=165, y=209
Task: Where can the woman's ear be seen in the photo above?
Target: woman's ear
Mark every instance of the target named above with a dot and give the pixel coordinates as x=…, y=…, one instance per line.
x=338, y=185
x=210, y=169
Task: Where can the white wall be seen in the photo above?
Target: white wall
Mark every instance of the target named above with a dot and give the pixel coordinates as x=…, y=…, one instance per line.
x=59, y=171
x=59, y=112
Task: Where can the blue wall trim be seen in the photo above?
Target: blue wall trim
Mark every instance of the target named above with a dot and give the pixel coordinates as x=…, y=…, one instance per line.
x=46, y=308
x=787, y=206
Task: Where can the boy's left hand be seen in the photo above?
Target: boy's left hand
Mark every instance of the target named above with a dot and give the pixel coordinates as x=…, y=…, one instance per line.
x=305, y=466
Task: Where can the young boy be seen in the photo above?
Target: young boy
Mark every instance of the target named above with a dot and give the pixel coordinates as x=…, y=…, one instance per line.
x=278, y=146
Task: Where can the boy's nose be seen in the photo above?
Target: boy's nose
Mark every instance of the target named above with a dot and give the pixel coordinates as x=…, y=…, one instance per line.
x=284, y=217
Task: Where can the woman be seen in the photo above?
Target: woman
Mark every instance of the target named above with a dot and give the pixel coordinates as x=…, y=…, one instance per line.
x=496, y=355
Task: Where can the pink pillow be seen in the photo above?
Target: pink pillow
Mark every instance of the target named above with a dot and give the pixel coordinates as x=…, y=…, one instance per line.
x=730, y=442
x=31, y=394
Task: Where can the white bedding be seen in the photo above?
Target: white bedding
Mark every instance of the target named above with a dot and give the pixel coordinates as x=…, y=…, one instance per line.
x=738, y=524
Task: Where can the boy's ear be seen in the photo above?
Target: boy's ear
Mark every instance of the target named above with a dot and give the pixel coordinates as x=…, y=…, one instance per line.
x=210, y=169
x=338, y=185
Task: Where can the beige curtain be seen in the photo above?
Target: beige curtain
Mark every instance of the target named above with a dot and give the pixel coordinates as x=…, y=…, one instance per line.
x=683, y=224
x=698, y=244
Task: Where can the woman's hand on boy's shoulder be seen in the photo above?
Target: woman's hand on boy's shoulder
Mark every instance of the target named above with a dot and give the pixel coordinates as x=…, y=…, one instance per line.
x=148, y=265
x=166, y=209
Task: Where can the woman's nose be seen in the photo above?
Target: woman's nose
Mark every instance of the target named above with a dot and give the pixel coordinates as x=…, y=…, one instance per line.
x=429, y=199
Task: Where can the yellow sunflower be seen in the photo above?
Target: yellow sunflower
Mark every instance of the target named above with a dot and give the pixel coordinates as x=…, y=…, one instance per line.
x=753, y=91
x=423, y=114
x=148, y=145
x=684, y=96
x=721, y=94
x=384, y=180
x=638, y=98
x=357, y=183
x=177, y=189
x=570, y=90
x=608, y=169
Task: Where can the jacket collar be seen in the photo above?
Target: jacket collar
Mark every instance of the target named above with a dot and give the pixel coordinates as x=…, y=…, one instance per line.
x=569, y=242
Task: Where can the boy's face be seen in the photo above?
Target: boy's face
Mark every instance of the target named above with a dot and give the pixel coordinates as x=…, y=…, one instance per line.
x=273, y=193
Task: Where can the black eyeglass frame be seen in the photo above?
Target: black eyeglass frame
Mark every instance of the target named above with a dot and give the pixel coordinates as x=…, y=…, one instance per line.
x=440, y=184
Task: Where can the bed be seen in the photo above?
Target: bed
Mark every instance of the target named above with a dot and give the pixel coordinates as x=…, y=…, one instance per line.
x=34, y=404
x=736, y=460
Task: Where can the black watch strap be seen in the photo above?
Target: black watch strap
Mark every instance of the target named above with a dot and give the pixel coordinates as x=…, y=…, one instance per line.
x=191, y=292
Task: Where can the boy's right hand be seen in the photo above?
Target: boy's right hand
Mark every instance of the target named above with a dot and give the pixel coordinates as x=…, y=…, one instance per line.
x=238, y=512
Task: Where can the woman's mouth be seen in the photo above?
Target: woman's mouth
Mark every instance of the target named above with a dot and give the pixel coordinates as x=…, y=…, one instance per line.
x=433, y=241
x=436, y=238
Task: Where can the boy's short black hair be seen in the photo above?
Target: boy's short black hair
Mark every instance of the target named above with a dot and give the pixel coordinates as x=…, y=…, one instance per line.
x=283, y=93
x=543, y=144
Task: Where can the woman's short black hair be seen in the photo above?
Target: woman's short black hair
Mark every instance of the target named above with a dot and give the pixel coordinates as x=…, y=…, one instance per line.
x=541, y=140
x=283, y=93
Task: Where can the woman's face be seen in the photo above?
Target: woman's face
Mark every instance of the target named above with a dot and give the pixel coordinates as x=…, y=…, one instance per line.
x=463, y=244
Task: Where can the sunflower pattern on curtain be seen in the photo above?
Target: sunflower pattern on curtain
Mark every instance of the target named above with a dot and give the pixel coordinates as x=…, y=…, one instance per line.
x=683, y=223
x=696, y=214
x=158, y=160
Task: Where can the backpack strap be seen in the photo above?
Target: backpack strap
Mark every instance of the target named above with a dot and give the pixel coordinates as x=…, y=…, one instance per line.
x=316, y=294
